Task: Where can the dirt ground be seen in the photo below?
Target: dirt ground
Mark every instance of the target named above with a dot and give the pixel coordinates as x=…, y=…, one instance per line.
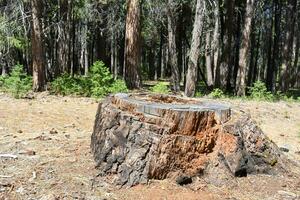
x=48, y=142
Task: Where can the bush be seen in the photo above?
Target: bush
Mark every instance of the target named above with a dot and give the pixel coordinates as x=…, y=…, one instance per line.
x=259, y=92
x=18, y=83
x=98, y=83
x=101, y=79
x=118, y=86
x=67, y=85
x=2, y=78
x=199, y=94
x=161, y=88
x=217, y=93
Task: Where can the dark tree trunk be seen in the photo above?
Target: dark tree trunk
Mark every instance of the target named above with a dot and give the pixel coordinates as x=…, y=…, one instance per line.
x=225, y=63
x=64, y=37
x=172, y=49
x=132, y=60
x=244, y=50
x=274, y=57
x=38, y=60
x=291, y=12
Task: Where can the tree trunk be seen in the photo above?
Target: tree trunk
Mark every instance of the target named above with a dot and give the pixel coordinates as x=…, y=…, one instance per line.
x=38, y=61
x=274, y=56
x=244, y=50
x=64, y=37
x=225, y=63
x=288, y=45
x=216, y=44
x=132, y=45
x=172, y=50
x=209, y=60
x=192, y=71
x=295, y=70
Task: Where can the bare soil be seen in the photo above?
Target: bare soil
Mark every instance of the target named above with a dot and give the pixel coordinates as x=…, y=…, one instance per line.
x=50, y=136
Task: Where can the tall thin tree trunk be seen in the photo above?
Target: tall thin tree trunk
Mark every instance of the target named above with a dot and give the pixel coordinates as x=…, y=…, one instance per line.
x=172, y=50
x=132, y=55
x=64, y=37
x=295, y=70
x=225, y=63
x=288, y=45
x=274, y=56
x=116, y=53
x=216, y=44
x=208, y=60
x=191, y=77
x=244, y=50
x=38, y=60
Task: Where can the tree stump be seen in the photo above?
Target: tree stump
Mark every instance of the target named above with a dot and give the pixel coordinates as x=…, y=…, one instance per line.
x=138, y=137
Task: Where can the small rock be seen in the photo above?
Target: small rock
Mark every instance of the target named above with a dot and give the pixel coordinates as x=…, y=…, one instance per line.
x=184, y=180
x=282, y=135
x=33, y=177
x=297, y=152
x=53, y=131
x=67, y=136
x=20, y=190
x=284, y=149
x=20, y=131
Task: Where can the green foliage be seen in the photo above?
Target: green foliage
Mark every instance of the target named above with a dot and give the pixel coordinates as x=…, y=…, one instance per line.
x=217, y=93
x=118, y=86
x=259, y=92
x=18, y=83
x=101, y=79
x=198, y=94
x=161, y=88
x=67, y=85
x=97, y=84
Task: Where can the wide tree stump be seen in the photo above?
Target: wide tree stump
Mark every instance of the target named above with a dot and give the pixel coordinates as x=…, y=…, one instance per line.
x=139, y=137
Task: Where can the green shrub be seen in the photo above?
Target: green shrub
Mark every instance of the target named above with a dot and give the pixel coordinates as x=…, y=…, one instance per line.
x=67, y=85
x=17, y=83
x=98, y=83
x=199, y=94
x=161, y=88
x=217, y=93
x=259, y=92
x=101, y=79
x=118, y=86
x=2, y=78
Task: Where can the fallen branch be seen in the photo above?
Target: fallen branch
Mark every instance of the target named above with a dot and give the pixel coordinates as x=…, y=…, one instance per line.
x=8, y=156
x=3, y=176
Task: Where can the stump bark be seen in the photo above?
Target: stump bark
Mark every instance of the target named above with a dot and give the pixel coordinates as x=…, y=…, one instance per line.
x=139, y=137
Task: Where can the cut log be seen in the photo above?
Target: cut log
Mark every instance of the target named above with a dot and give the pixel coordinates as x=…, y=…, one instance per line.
x=138, y=137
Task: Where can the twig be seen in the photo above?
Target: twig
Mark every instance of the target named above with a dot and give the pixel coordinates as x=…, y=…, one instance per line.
x=3, y=176
x=8, y=156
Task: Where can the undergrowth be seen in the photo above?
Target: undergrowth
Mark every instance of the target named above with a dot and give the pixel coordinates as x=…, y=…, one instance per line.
x=98, y=83
x=160, y=88
x=258, y=92
x=17, y=83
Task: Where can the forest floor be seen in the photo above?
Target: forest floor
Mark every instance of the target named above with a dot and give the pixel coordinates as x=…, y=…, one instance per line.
x=50, y=139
